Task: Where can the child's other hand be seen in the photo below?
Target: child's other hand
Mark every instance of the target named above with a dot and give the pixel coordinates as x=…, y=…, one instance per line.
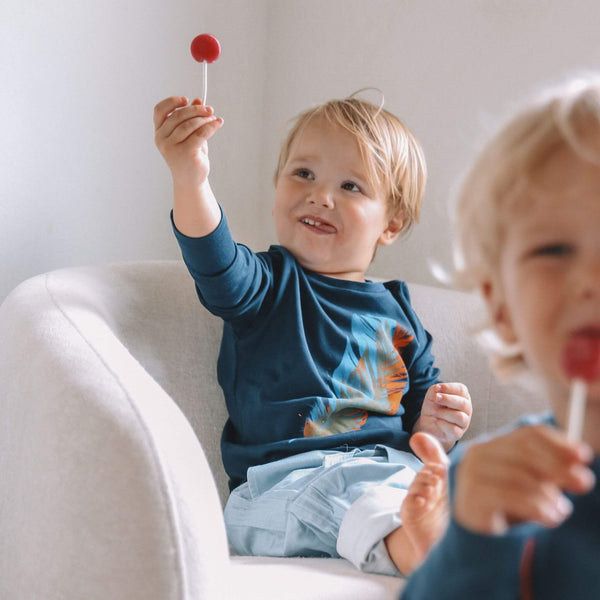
x=181, y=134
x=520, y=477
x=446, y=413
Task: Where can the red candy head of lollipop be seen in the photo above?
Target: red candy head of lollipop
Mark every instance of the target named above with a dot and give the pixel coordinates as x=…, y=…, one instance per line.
x=581, y=357
x=205, y=48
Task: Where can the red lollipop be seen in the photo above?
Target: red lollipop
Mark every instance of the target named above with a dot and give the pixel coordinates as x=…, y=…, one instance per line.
x=581, y=362
x=205, y=49
x=581, y=358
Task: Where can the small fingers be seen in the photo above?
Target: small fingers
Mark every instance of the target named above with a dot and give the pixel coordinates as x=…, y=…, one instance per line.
x=453, y=389
x=549, y=455
x=181, y=115
x=203, y=127
x=451, y=420
x=543, y=504
x=426, y=486
x=428, y=449
x=453, y=416
x=539, y=453
x=183, y=122
x=165, y=107
x=454, y=402
x=491, y=496
x=448, y=432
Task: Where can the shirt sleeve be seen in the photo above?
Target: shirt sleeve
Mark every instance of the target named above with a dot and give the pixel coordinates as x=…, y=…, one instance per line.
x=208, y=255
x=231, y=280
x=470, y=565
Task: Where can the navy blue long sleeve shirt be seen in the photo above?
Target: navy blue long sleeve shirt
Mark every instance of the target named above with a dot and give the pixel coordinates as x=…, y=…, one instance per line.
x=307, y=362
x=530, y=562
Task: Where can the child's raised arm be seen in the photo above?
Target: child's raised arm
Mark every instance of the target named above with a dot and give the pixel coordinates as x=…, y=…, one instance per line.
x=182, y=131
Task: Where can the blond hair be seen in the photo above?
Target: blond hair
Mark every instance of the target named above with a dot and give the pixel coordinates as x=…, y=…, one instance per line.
x=392, y=155
x=561, y=117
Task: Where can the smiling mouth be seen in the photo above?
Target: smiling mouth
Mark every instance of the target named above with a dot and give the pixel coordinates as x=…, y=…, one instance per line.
x=318, y=226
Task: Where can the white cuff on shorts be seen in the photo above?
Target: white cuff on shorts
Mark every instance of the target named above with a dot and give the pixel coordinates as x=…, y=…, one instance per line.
x=365, y=525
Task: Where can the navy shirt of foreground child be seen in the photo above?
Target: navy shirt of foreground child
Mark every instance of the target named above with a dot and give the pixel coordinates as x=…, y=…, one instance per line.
x=529, y=562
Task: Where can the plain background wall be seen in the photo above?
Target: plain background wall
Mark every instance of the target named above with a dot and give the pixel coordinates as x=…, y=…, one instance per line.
x=81, y=180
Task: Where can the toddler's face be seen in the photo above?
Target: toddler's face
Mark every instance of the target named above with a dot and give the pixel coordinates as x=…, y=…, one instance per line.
x=550, y=269
x=326, y=212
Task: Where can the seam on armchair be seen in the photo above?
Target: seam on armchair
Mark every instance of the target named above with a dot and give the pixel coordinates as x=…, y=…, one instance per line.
x=176, y=536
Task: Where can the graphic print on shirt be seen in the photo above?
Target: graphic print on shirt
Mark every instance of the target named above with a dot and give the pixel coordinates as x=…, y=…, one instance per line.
x=370, y=378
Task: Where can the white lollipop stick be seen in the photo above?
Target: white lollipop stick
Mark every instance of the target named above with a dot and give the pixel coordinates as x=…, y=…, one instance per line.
x=204, y=81
x=576, y=410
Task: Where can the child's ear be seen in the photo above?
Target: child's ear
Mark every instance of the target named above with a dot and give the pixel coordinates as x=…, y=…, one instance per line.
x=392, y=231
x=498, y=311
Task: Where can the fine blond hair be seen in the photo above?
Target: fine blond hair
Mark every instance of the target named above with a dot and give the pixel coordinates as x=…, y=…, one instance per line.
x=392, y=155
x=567, y=116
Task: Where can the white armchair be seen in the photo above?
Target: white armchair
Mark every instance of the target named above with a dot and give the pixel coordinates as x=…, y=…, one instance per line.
x=111, y=482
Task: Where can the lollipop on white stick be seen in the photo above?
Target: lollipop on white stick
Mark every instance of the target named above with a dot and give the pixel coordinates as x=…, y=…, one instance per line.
x=581, y=362
x=205, y=49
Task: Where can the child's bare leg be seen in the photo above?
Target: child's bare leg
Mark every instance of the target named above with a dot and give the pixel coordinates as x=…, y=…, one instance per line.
x=424, y=511
x=401, y=551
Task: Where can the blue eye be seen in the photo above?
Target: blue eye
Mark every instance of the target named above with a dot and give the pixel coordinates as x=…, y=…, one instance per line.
x=304, y=174
x=351, y=187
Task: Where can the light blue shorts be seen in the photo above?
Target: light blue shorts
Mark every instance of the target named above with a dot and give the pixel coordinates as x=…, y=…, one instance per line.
x=323, y=503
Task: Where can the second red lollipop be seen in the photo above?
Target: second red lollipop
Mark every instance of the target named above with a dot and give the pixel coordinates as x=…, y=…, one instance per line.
x=581, y=357
x=581, y=363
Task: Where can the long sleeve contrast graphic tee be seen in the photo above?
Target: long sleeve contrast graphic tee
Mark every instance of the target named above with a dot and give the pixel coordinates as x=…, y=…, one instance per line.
x=307, y=362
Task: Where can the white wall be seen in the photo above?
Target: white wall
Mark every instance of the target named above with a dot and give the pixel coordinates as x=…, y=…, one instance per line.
x=81, y=181
x=448, y=68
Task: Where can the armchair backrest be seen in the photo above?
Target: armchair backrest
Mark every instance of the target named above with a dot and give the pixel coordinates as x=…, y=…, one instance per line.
x=152, y=308
x=157, y=314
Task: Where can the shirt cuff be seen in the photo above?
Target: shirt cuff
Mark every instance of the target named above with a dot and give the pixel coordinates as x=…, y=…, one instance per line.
x=208, y=255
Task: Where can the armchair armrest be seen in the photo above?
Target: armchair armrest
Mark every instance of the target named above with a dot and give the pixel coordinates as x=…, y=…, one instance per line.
x=105, y=490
